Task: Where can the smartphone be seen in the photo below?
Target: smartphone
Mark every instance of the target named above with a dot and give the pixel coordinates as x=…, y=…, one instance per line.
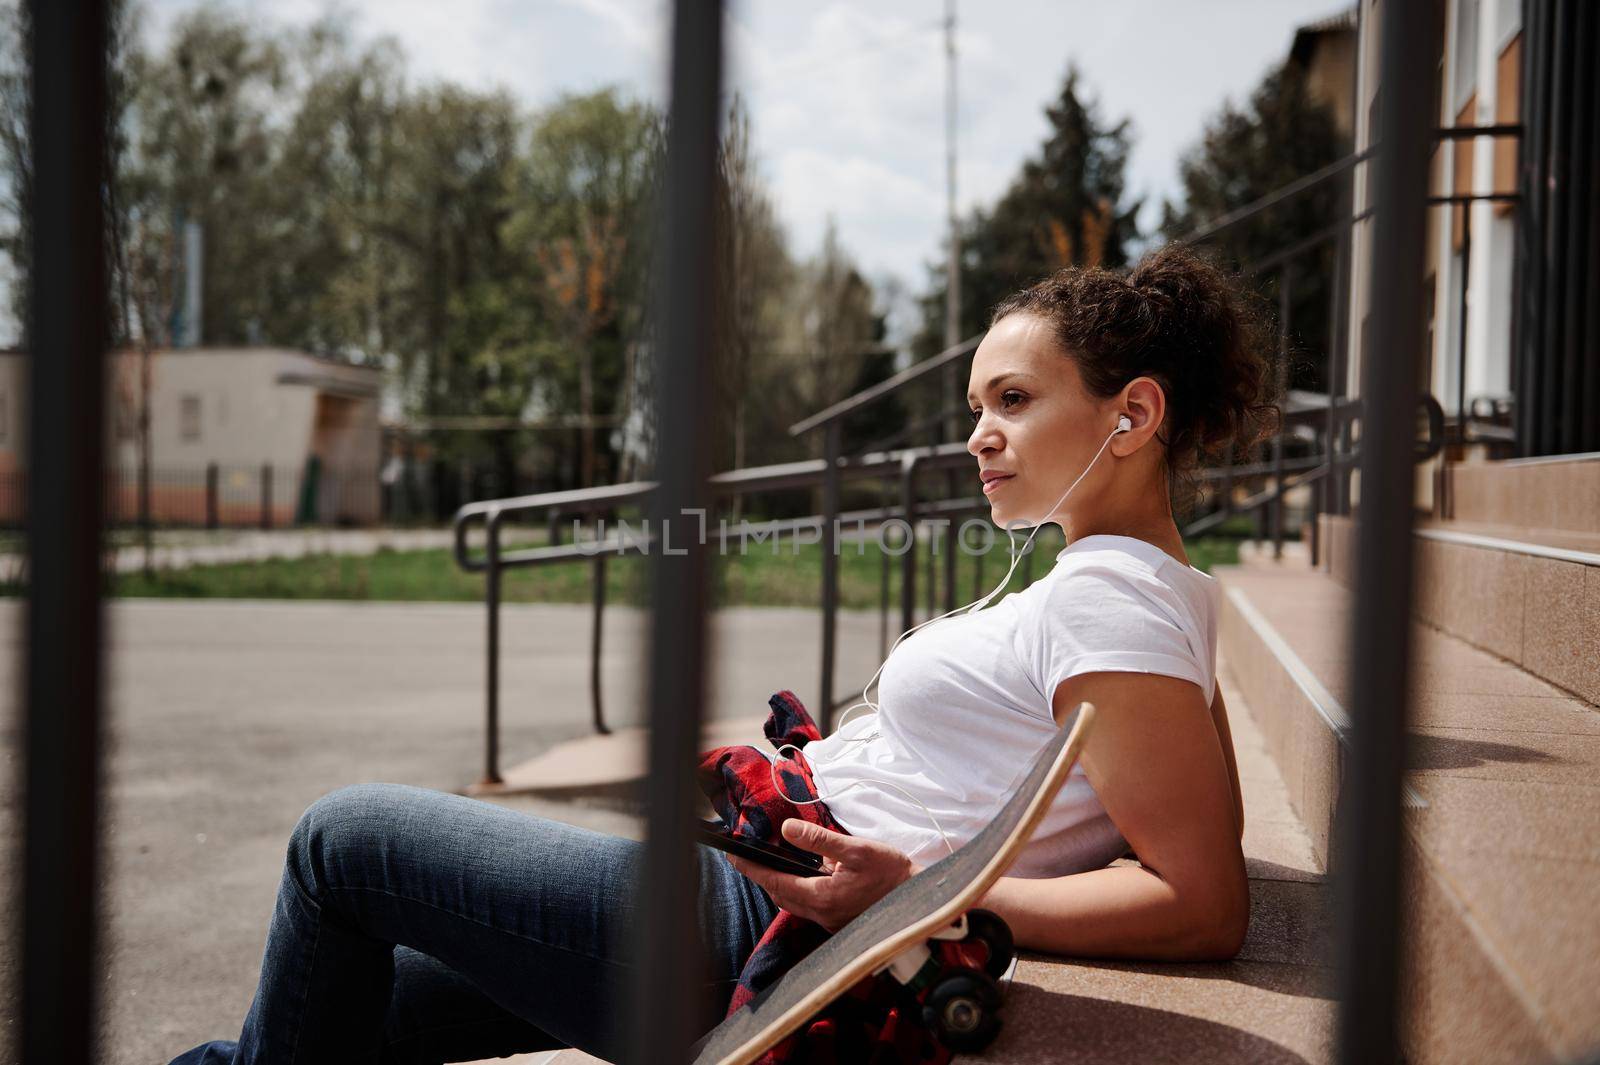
x=785, y=859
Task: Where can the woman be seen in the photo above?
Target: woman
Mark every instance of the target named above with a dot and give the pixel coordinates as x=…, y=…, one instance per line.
x=417, y=926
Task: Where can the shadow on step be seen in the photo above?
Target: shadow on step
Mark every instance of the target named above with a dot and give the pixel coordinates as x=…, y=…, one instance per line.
x=1063, y=1027
x=1432, y=751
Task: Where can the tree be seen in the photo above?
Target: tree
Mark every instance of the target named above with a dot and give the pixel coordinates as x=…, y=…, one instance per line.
x=499, y=263
x=755, y=274
x=1282, y=134
x=336, y=255
x=1065, y=207
x=828, y=332
x=583, y=189
x=464, y=343
x=16, y=156
x=203, y=151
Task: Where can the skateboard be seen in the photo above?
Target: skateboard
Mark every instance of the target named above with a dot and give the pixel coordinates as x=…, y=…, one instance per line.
x=893, y=933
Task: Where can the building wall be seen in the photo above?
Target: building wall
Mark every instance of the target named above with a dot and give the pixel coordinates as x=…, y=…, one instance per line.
x=210, y=405
x=242, y=410
x=1478, y=87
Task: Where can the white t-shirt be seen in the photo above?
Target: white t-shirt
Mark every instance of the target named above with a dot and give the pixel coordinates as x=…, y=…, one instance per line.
x=965, y=703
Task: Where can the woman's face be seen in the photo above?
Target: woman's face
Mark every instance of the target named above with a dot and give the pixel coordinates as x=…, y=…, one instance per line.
x=1033, y=422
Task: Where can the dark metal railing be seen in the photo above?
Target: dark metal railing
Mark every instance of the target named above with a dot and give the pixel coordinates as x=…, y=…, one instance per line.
x=1463, y=422
x=666, y=1013
x=604, y=502
x=68, y=334
x=1366, y=861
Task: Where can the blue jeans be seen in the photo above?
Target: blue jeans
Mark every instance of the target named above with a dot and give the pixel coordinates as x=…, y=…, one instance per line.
x=417, y=926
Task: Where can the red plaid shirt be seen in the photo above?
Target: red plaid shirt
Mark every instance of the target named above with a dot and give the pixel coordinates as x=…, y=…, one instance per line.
x=877, y=1021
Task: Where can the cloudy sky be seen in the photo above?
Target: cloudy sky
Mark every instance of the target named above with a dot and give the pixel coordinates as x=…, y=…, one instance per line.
x=847, y=98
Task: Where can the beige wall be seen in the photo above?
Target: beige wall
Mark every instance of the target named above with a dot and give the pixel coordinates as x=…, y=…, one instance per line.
x=240, y=408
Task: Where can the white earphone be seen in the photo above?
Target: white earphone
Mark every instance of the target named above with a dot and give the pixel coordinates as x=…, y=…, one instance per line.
x=1124, y=425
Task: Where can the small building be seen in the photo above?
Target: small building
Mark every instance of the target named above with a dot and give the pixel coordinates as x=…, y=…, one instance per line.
x=238, y=436
x=1326, y=51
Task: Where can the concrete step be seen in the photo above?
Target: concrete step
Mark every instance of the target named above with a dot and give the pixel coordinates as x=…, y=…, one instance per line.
x=1270, y=1004
x=1531, y=596
x=1559, y=493
x=1501, y=840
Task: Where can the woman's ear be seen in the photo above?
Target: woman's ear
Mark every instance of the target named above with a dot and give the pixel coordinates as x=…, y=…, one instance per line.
x=1145, y=403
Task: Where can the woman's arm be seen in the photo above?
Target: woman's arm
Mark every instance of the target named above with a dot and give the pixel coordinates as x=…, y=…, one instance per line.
x=1157, y=764
x=1219, y=718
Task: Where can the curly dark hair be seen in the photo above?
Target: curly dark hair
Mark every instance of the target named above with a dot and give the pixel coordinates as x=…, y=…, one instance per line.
x=1181, y=320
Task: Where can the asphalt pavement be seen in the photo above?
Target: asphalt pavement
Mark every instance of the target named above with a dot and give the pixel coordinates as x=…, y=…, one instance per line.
x=226, y=719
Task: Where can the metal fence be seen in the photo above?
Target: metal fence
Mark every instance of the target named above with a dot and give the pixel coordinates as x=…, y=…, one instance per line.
x=219, y=496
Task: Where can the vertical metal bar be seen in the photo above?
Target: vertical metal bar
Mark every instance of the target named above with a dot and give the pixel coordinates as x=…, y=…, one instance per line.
x=1461, y=313
x=1366, y=863
x=1531, y=187
x=67, y=338
x=1558, y=204
x=212, y=517
x=667, y=1014
x=883, y=575
x=933, y=551
x=492, y=574
x=977, y=575
x=830, y=569
x=908, y=558
x=144, y=447
x=1338, y=339
x=1285, y=308
x=1312, y=530
x=599, y=596
x=266, y=495
x=1227, y=481
x=1580, y=420
x=952, y=485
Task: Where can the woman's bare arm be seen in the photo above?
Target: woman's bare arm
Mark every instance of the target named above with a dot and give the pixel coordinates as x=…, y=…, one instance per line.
x=1157, y=763
x=1219, y=718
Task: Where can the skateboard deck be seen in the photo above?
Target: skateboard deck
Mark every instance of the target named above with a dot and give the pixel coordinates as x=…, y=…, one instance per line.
x=907, y=916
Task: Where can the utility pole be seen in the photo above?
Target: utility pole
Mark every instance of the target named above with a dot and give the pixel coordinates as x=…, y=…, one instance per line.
x=952, y=291
x=952, y=298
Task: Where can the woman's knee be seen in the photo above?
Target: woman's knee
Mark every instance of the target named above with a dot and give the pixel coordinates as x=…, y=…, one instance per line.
x=348, y=825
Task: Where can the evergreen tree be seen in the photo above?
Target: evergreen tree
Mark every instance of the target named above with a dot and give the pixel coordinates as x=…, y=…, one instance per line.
x=1282, y=134
x=1064, y=207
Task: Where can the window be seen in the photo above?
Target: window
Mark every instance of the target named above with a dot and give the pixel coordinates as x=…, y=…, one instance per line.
x=189, y=417
x=1507, y=111
x=1464, y=82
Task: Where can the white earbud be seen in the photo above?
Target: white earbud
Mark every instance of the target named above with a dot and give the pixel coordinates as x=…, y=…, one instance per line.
x=1124, y=425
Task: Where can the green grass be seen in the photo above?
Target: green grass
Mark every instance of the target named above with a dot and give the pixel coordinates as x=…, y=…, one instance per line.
x=760, y=577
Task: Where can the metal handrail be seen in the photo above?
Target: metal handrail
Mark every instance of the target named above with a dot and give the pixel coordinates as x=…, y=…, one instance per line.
x=869, y=395
x=1329, y=416
x=1273, y=199
x=904, y=464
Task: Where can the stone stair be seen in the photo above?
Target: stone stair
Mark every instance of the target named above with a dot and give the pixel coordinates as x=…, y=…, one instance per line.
x=1501, y=840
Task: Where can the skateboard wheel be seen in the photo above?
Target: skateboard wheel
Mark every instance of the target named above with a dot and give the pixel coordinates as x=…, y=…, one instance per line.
x=963, y=1010
x=996, y=935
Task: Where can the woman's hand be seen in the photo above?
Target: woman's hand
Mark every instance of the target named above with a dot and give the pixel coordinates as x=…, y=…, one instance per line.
x=860, y=872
